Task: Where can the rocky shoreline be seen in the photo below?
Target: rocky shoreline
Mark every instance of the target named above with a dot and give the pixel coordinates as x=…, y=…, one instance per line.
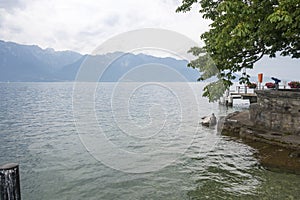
x=275, y=150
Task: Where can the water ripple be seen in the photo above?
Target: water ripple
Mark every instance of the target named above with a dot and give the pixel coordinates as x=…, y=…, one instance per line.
x=37, y=130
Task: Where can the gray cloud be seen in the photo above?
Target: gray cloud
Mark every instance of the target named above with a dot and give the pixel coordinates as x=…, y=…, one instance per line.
x=9, y=5
x=284, y=68
x=77, y=24
x=112, y=20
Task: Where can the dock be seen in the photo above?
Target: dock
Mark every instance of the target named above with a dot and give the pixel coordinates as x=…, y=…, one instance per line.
x=241, y=92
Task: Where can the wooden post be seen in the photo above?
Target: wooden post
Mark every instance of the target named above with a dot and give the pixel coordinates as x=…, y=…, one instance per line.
x=10, y=182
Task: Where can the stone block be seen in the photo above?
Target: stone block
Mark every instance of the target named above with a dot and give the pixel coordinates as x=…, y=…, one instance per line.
x=277, y=110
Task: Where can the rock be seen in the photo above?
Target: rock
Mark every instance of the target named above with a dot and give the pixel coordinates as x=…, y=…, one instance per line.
x=295, y=154
x=276, y=148
x=277, y=110
x=209, y=120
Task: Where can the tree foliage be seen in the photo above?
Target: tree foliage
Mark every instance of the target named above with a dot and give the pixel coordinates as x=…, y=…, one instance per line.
x=242, y=32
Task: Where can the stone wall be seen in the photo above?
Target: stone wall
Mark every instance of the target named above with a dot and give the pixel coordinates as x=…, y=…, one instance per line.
x=277, y=110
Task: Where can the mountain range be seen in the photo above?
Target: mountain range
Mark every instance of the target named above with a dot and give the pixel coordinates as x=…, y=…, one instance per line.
x=30, y=63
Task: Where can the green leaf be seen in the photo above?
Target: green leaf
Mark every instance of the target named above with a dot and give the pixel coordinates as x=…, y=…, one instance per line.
x=240, y=34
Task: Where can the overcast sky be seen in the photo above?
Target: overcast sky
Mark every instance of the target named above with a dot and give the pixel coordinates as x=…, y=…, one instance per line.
x=82, y=25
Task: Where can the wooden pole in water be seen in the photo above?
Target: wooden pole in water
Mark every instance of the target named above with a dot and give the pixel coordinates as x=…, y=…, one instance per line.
x=10, y=182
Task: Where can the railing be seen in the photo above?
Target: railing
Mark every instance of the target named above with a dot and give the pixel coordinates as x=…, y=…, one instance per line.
x=241, y=89
x=10, y=182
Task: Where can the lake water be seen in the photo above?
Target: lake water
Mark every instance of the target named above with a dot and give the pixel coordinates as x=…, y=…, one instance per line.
x=127, y=141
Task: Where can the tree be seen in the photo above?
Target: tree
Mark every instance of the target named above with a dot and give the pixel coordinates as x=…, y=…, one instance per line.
x=241, y=33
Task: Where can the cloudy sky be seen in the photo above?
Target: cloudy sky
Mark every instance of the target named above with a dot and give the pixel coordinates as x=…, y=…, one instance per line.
x=81, y=25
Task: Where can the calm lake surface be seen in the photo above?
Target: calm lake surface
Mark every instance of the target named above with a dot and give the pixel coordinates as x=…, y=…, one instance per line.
x=75, y=142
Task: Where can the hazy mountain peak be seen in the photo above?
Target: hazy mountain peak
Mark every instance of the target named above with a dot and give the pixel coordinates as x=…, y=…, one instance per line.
x=32, y=63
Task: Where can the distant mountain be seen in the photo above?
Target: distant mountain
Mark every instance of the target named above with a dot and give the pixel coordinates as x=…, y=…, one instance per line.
x=31, y=63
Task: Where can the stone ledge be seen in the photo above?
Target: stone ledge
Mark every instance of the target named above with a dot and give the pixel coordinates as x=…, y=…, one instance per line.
x=285, y=93
x=238, y=124
x=277, y=110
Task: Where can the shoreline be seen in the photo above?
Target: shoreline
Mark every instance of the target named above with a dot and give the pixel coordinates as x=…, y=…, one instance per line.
x=275, y=150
